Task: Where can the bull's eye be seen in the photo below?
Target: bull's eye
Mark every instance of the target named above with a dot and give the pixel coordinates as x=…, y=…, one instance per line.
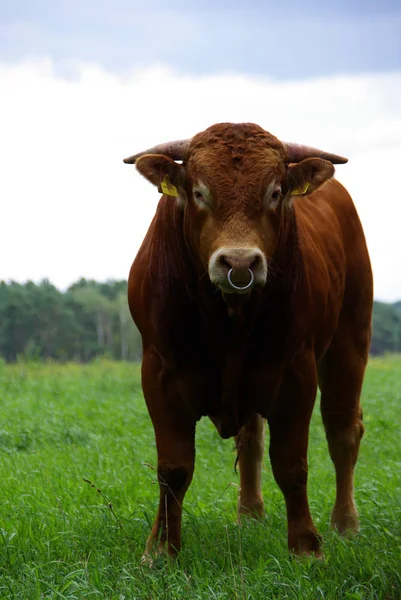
x=276, y=194
x=275, y=197
x=201, y=195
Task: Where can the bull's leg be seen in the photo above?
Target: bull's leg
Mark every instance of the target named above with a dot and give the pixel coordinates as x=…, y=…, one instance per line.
x=174, y=430
x=340, y=378
x=289, y=430
x=176, y=456
x=250, y=447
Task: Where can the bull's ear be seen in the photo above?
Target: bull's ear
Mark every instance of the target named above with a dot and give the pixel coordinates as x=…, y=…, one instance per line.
x=163, y=172
x=305, y=177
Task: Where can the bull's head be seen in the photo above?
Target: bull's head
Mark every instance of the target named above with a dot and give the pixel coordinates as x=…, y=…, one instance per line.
x=236, y=183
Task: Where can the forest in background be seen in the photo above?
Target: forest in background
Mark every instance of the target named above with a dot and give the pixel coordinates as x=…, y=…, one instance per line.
x=88, y=320
x=91, y=319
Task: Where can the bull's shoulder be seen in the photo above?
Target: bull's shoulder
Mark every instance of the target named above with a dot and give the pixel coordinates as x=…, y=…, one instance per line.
x=328, y=219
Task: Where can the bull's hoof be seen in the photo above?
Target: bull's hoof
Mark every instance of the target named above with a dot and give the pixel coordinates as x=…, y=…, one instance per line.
x=254, y=510
x=156, y=559
x=346, y=523
x=147, y=561
x=307, y=544
x=157, y=552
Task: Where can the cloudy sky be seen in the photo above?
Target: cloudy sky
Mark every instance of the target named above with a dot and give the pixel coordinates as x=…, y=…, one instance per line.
x=85, y=83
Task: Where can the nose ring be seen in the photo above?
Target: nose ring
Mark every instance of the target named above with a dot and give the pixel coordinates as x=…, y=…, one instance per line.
x=240, y=287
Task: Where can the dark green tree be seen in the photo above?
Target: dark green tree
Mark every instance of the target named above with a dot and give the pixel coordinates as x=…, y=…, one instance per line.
x=90, y=319
x=386, y=335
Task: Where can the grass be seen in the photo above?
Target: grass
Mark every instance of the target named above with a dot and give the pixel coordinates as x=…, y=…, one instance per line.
x=64, y=537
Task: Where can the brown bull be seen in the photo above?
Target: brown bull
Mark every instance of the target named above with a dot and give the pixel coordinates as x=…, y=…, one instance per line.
x=252, y=287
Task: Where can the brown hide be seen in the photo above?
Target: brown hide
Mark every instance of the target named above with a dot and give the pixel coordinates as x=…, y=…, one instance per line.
x=240, y=358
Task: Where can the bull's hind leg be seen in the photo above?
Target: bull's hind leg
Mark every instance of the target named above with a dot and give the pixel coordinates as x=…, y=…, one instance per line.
x=340, y=378
x=250, y=447
x=175, y=441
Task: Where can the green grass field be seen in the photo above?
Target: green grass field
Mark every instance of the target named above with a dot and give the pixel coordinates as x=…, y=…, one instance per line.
x=61, y=538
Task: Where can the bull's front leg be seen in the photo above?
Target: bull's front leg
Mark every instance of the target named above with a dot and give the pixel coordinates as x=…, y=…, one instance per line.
x=175, y=467
x=289, y=430
x=174, y=427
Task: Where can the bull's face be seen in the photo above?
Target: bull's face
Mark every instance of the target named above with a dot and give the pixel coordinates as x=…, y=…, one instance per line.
x=236, y=186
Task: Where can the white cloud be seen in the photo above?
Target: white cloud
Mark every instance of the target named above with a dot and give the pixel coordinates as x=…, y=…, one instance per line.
x=70, y=207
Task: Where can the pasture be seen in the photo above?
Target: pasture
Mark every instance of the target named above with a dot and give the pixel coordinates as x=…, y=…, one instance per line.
x=79, y=493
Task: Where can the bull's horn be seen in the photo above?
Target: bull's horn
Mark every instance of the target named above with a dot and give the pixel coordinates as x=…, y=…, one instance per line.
x=177, y=150
x=297, y=152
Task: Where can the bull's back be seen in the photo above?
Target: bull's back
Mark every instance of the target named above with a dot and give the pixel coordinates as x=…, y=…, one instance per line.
x=337, y=259
x=346, y=229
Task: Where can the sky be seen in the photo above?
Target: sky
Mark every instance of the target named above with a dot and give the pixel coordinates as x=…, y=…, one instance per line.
x=84, y=84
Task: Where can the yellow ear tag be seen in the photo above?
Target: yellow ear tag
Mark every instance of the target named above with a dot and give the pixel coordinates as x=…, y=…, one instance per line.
x=300, y=191
x=168, y=188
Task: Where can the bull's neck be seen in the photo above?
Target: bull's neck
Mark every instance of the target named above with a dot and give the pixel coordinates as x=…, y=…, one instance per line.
x=288, y=259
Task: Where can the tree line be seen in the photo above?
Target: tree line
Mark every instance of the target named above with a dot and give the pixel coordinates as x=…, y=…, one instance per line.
x=386, y=335
x=91, y=319
x=88, y=320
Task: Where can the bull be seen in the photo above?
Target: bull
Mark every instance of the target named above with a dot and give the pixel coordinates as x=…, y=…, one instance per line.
x=252, y=288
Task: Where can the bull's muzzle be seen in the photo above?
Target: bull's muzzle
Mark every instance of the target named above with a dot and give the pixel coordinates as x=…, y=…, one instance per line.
x=237, y=270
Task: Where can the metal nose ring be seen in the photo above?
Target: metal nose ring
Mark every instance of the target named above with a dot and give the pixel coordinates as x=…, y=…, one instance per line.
x=240, y=287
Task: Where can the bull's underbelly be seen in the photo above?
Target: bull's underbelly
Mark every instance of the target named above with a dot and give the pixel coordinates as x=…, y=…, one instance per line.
x=229, y=404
